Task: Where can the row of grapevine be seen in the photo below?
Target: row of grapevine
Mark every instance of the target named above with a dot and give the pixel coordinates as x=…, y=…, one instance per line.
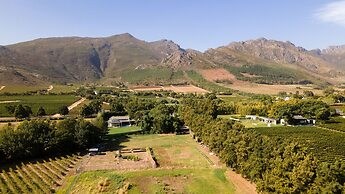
x=40, y=177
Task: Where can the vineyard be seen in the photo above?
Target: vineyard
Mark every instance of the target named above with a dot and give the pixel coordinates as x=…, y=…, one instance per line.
x=327, y=145
x=38, y=177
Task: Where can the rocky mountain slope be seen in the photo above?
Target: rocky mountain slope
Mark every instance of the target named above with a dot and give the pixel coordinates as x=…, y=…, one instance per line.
x=76, y=59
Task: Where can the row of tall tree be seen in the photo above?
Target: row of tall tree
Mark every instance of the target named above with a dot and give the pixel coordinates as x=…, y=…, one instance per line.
x=275, y=165
x=23, y=111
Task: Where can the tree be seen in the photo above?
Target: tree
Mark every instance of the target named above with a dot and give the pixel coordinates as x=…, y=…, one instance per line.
x=21, y=111
x=10, y=109
x=96, y=106
x=117, y=107
x=308, y=93
x=63, y=110
x=41, y=112
x=86, y=111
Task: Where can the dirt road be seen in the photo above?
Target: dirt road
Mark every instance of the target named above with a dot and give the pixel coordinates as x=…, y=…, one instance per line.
x=76, y=103
x=51, y=87
x=242, y=186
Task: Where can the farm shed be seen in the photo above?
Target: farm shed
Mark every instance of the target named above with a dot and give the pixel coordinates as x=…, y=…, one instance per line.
x=262, y=119
x=298, y=120
x=119, y=121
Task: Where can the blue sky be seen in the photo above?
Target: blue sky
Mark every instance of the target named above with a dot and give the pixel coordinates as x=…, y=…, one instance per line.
x=197, y=24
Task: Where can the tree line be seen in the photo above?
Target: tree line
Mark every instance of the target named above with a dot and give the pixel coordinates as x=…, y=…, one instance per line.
x=23, y=111
x=42, y=137
x=275, y=165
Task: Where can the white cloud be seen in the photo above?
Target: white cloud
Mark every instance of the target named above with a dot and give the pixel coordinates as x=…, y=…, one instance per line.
x=332, y=12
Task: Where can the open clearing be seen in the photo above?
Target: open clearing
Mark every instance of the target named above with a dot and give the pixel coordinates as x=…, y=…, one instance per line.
x=184, y=167
x=177, y=89
x=22, y=89
x=244, y=86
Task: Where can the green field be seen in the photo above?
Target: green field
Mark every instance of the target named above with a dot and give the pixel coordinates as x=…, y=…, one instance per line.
x=335, y=123
x=22, y=89
x=51, y=103
x=122, y=130
x=152, y=75
x=327, y=145
x=152, y=181
x=64, y=89
x=183, y=168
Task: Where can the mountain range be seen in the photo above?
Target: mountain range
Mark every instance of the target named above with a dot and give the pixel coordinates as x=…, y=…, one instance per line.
x=124, y=58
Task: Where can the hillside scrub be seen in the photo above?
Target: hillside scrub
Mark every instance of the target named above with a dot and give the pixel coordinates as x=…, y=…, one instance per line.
x=275, y=165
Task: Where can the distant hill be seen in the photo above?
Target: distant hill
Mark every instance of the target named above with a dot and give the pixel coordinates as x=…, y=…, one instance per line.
x=128, y=59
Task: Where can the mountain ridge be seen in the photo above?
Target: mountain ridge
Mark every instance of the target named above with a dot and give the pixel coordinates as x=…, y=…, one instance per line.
x=87, y=59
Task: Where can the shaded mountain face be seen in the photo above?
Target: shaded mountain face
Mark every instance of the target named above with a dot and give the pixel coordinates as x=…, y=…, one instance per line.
x=76, y=59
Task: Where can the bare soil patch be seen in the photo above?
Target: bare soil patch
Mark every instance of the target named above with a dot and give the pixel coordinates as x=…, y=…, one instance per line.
x=177, y=89
x=242, y=185
x=218, y=74
x=271, y=89
x=9, y=101
x=76, y=103
x=108, y=161
x=170, y=184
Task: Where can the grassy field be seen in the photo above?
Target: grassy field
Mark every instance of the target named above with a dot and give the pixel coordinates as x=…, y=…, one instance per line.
x=183, y=168
x=76, y=111
x=154, y=75
x=22, y=89
x=63, y=89
x=171, y=150
x=336, y=123
x=51, y=103
x=325, y=144
x=246, y=122
x=152, y=181
x=122, y=130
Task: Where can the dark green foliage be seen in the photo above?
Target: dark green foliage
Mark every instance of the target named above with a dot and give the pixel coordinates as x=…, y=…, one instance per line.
x=161, y=119
x=307, y=108
x=275, y=165
x=266, y=75
x=21, y=111
x=94, y=107
x=63, y=110
x=327, y=145
x=86, y=111
x=117, y=107
x=38, y=138
x=41, y=111
x=10, y=109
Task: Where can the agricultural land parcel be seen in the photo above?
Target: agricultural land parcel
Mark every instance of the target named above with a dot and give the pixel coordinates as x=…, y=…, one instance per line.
x=51, y=103
x=326, y=144
x=184, y=168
